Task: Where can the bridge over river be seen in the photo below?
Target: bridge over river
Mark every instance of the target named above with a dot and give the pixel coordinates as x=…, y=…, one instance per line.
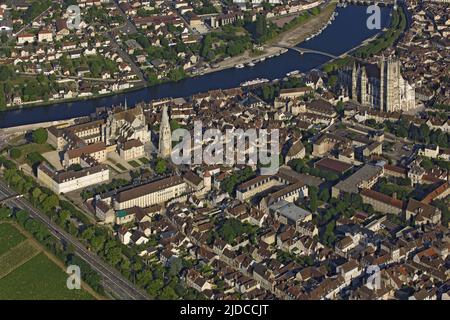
x=304, y=50
x=369, y=2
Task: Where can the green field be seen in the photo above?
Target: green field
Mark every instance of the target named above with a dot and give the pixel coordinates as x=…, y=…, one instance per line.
x=134, y=164
x=27, y=273
x=39, y=279
x=17, y=256
x=9, y=237
x=121, y=167
x=29, y=148
x=144, y=160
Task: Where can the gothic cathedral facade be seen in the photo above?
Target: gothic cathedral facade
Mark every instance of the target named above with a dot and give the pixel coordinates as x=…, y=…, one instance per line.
x=379, y=86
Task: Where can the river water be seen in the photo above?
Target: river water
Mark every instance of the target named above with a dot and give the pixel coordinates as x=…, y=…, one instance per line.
x=346, y=32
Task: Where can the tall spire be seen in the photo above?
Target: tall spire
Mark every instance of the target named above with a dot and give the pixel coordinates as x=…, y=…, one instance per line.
x=165, y=135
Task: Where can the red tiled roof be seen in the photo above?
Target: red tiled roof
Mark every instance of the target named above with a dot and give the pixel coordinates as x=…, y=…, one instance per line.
x=382, y=198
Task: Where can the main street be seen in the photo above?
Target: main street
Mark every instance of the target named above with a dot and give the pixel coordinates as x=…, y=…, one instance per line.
x=113, y=281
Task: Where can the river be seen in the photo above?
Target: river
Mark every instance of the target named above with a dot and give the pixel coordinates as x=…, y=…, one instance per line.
x=346, y=32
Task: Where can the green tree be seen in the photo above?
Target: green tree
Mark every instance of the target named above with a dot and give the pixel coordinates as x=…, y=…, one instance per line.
x=4, y=38
x=260, y=26
x=168, y=293
x=4, y=213
x=426, y=163
x=21, y=216
x=328, y=236
x=15, y=153
x=175, y=267
x=3, y=101
x=176, y=74
x=206, y=45
x=161, y=166
x=50, y=203
x=313, y=201
x=324, y=195
x=40, y=136
x=6, y=73
x=424, y=132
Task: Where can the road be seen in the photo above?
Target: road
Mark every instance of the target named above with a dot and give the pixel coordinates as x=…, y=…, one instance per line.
x=29, y=24
x=126, y=58
x=113, y=281
x=129, y=28
x=32, y=74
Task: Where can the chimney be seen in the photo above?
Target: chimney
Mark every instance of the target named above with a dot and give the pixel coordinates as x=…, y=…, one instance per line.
x=394, y=195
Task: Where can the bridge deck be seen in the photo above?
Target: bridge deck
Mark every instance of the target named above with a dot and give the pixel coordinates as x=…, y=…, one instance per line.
x=304, y=50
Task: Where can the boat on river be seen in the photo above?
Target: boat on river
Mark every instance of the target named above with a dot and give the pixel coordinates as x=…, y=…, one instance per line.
x=293, y=73
x=254, y=82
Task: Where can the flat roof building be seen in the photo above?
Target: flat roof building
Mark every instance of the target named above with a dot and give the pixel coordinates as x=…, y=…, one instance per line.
x=365, y=177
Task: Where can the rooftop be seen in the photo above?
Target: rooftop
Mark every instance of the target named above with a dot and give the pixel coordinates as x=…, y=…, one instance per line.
x=365, y=174
x=289, y=210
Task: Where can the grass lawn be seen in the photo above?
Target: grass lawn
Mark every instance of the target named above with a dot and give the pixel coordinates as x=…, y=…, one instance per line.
x=39, y=279
x=121, y=167
x=9, y=237
x=144, y=160
x=113, y=169
x=134, y=164
x=28, y=148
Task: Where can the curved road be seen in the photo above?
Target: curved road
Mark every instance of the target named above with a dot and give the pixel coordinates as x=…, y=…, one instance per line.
x=113, y=281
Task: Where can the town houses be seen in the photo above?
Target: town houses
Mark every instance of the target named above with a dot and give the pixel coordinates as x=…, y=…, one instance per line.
x=262, y=235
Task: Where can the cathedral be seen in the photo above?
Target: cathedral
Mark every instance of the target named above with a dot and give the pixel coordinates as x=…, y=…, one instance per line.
x=379, y=86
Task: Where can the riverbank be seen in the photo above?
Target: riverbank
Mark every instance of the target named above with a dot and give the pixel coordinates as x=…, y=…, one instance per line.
x=351, y=21
x=287, y=38
x=77, y=99
x=301, y=32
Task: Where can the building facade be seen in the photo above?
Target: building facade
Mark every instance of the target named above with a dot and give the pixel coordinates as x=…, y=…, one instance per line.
x=151, y=193
x=131, y=149
x=380, y=86
x=67, y=181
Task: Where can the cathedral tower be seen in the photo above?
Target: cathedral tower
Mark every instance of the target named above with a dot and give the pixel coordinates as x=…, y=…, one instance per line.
x=165, y=136
x=364, y=97
x=380, y=86
x=393, y=85
x=354, y=82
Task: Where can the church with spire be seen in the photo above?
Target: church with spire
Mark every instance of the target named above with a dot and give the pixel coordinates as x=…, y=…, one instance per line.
x=165, y=135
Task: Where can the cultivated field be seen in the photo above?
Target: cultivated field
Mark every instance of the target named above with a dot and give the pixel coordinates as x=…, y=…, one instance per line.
x=27, y=272
x=9, y=237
